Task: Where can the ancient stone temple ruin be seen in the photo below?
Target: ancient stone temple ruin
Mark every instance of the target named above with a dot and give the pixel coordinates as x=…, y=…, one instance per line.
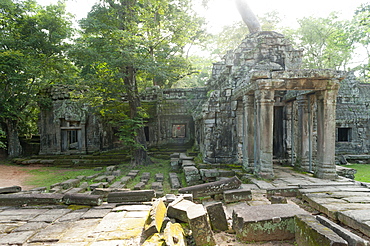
x=258, y=107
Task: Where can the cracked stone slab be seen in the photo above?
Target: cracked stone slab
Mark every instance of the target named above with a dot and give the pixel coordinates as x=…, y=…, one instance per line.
x=16, y=238
x=79, y=231
x=51, y=215
x=52, y=233
x=32, y=226
x=95, y=213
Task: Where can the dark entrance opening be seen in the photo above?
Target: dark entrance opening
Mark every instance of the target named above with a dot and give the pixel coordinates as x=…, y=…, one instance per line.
x=278, y=140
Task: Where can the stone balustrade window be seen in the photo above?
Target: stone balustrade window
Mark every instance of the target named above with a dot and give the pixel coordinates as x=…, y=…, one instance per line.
x=179, y=131
x=344, y=134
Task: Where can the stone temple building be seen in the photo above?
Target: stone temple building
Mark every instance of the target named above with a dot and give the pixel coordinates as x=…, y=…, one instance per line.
x=258, y=107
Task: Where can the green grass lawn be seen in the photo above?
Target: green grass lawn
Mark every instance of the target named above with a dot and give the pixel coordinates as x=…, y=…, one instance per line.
x=363, y=172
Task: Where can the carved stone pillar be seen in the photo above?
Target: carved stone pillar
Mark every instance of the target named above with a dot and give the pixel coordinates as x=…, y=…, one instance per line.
x=248, y=133
x=302, y=162
x=264, y=133
x=240, y=116
x=326, y=105
x=289, y=131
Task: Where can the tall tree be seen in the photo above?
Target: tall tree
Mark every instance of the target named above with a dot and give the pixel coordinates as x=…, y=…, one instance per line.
x=327, y=42
x=32, y=41
x=361, y=35
x=133, y=42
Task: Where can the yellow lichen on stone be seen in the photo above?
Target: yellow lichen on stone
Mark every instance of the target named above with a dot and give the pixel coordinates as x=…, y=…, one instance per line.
x=155, y=240
x=160, y=213
x=174, y=235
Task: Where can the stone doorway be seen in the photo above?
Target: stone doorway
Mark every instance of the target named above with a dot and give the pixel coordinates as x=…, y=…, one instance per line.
x=71, y=136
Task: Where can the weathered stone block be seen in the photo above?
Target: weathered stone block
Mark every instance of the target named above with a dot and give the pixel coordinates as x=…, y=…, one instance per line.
x=131, y=196
x=174, y=234
x=10, y=189
x=278, y=200
x=217, y=217
x=18, y=199
x=158, y=186
x=201, y=229
x=283, y=191
x=82, y=199
x=351, y=238
x=212, y=188
x=70, y=183
x=159, y=177
x=237, y=195
x=155, y=219
x=265, y=222
x=226, y=173
x=310, y=232
x=175, y=164
x=139, y=186
x=177, y=209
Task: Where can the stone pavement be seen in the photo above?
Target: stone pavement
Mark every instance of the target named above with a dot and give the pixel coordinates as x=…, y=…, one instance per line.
x=342, y=200
x=107, y=224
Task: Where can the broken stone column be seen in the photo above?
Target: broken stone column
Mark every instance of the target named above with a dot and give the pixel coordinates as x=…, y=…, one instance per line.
x=201, y=229
x=302, y=162
x=326, y=105
x=264, y=130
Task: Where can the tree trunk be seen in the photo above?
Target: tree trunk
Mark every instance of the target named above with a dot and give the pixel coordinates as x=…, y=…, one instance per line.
x=140, y=156
x=248, y=16
x=14, y=145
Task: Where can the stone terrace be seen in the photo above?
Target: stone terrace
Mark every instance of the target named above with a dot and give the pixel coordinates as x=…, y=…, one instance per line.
x=112, y=223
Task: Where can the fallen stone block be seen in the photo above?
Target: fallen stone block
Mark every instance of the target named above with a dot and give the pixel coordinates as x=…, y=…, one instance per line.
x=117, y=173
x=175, y=155
x=175, y=164
x=265, y=222
x=159, y=177
x=75, y=190
x=131, y=196
x=217, y=217
x=125, y=179
x=56, y=189
x=183, y=156
x=283, y=191
x=81, y=177
x=70, y=183
x=117, y=184
x=110, y=179
x=95, y=186
x=187, y=163
x=157, y=186
x=237, y=195
x=111, y=168
x=18, y=199
x=310, y=232
x=92, y=176
x=133, y=173
x=145, y=177
x=226, y=173
x=175, y=182
x=10, y=189
x=351, y=238
x=174, y=234
x=82, y=199
x=209, y=173
x=39, y=189
x=101, y=178
x=139, y=186
x=212, y=188
x=198, y=223
x=155, y=219
x=177, y=209
x=278, y=200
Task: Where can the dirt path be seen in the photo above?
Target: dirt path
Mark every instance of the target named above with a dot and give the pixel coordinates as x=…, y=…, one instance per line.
x=15, y=175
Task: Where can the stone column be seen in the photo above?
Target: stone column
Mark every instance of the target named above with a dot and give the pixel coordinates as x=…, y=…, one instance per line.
x=302, y=162
x=248, y=133
x=326, y=105
x=264, y=133
x=288, y=136
x=83, y=137
x=240, y=130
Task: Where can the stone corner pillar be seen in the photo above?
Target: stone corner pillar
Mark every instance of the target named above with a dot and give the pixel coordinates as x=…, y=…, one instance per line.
x=326, y=106
x=264, y=131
